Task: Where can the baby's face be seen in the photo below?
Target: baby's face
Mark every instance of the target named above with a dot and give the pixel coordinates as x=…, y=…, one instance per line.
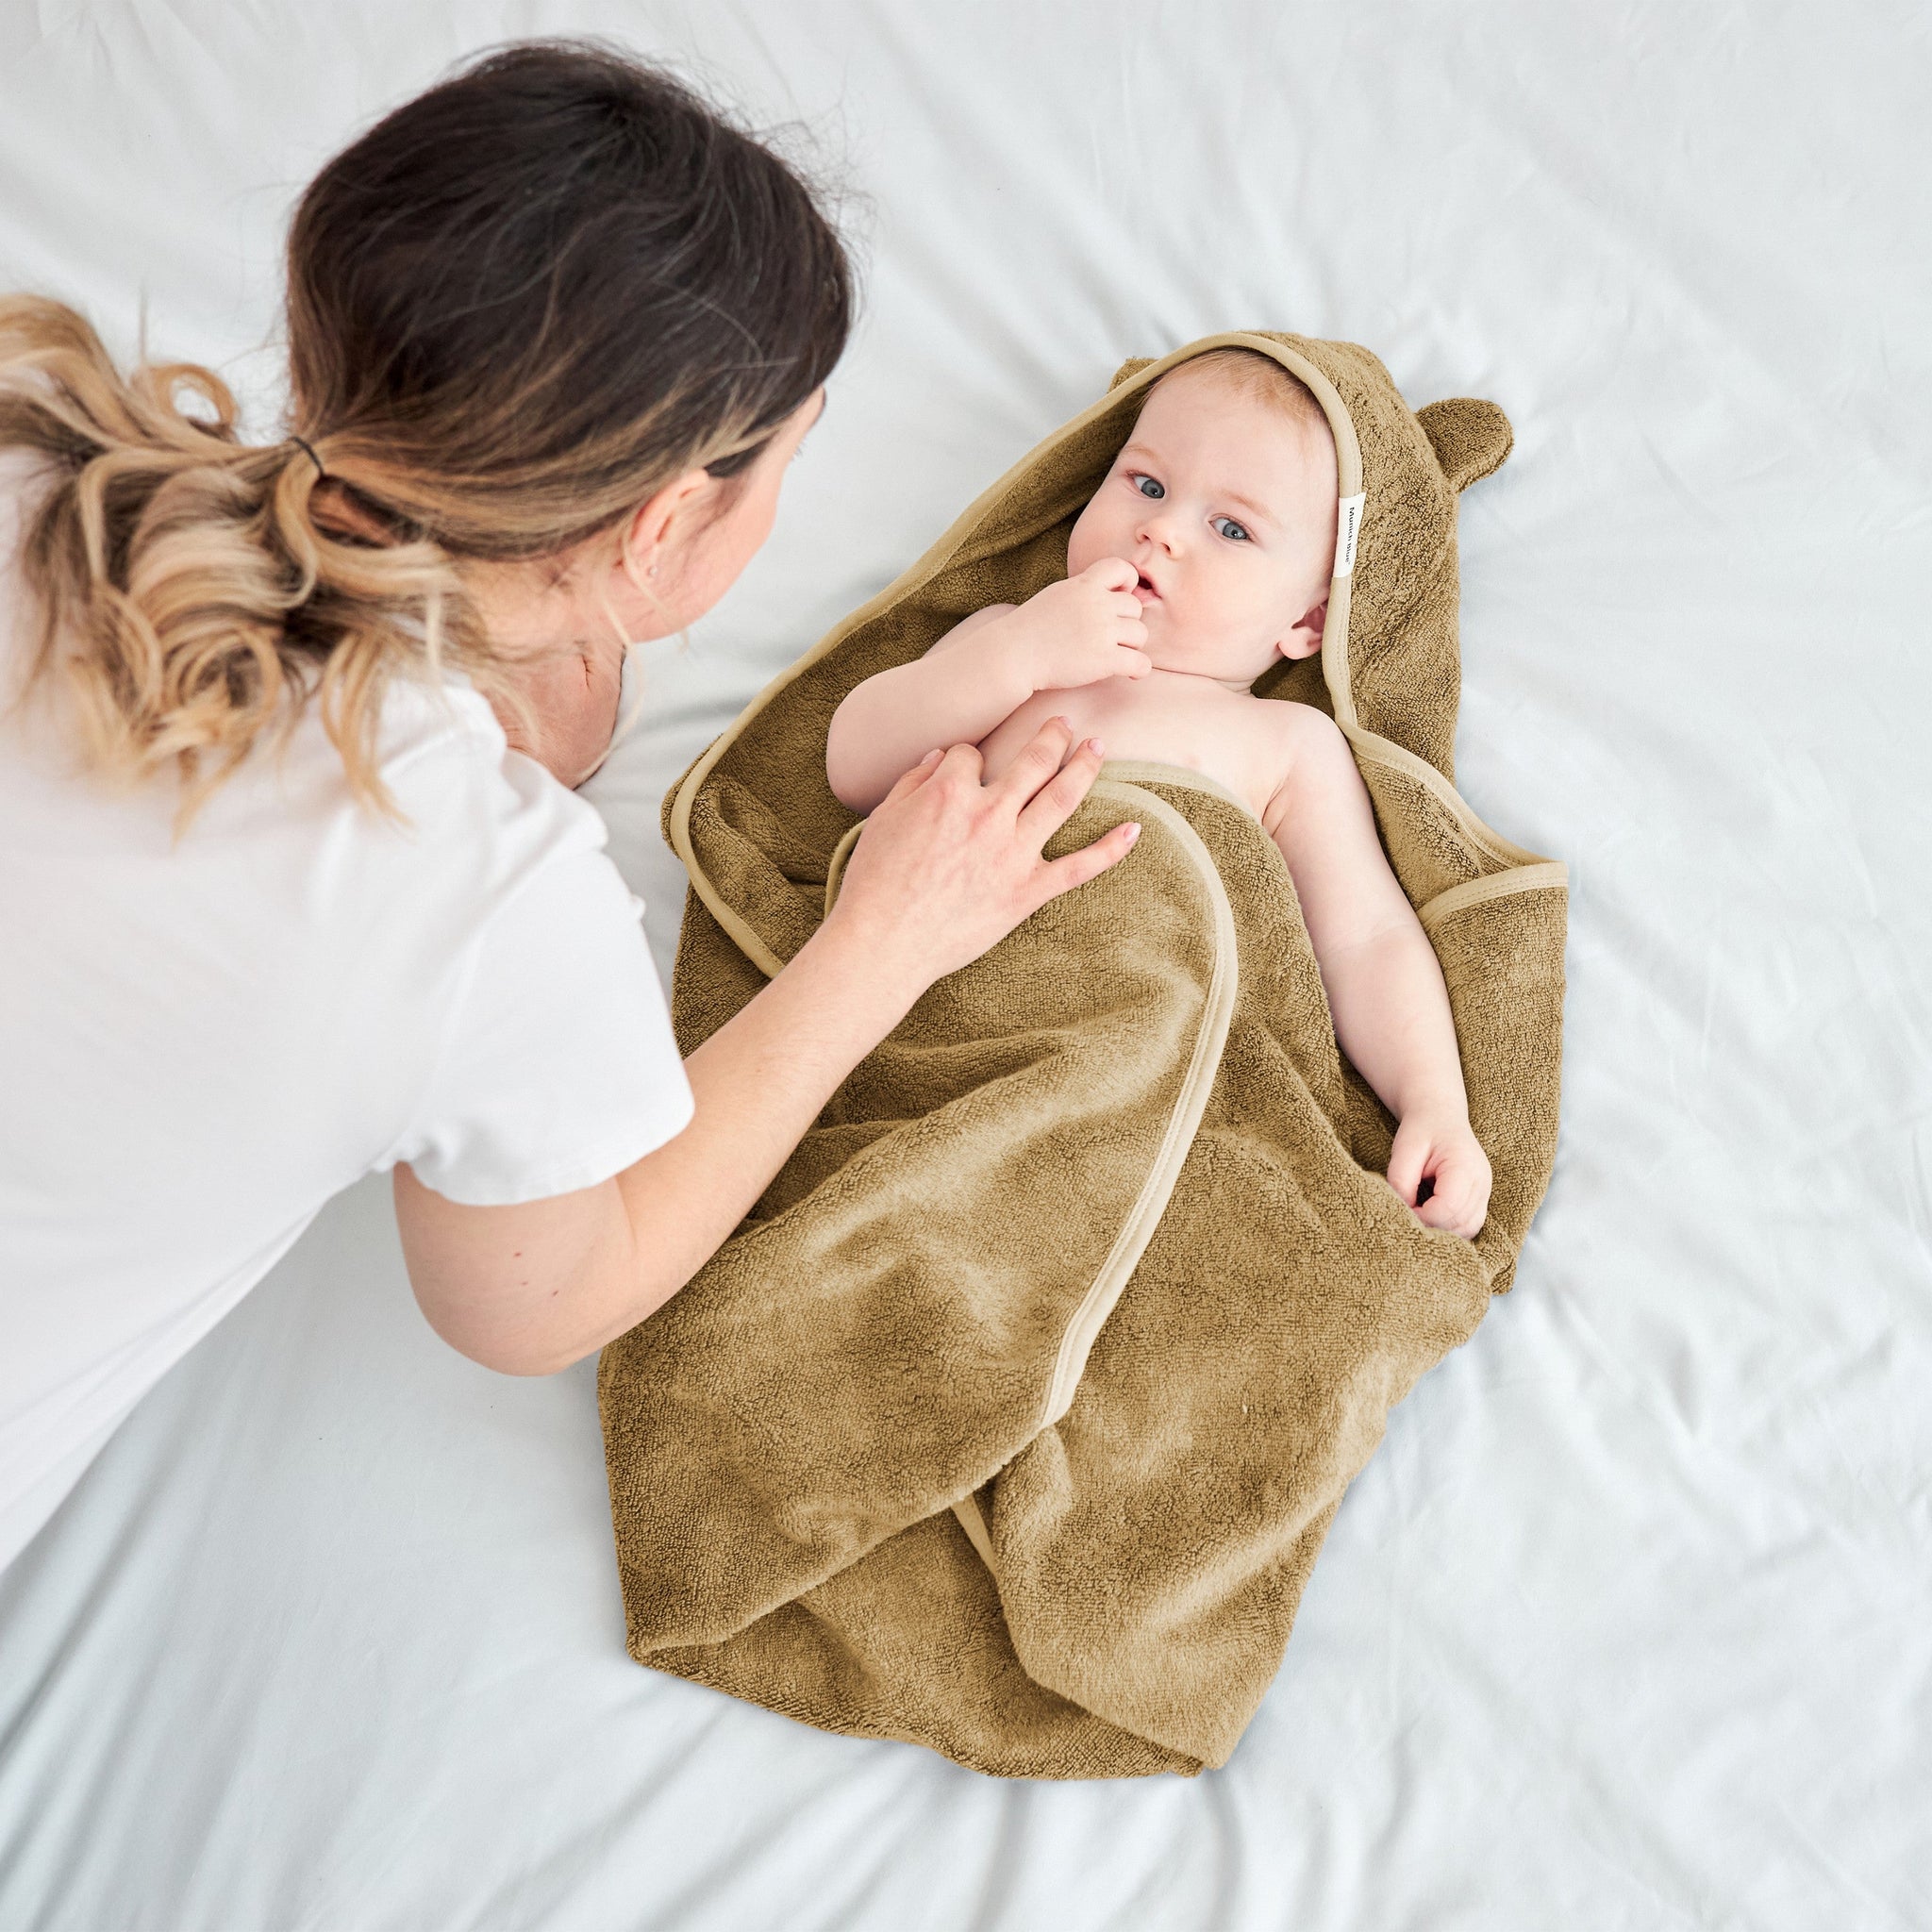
x=1225, y=505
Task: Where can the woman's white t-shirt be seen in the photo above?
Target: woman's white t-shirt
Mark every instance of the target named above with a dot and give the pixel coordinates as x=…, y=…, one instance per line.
x=203, y=1039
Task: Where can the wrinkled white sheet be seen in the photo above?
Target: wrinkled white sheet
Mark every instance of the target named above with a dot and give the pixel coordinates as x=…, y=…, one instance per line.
x=1627, y=1625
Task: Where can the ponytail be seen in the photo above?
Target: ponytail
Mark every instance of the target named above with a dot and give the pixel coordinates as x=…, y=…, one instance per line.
x=195, y=592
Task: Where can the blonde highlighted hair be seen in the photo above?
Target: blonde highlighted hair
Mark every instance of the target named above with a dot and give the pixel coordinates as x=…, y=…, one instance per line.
x=517, y=307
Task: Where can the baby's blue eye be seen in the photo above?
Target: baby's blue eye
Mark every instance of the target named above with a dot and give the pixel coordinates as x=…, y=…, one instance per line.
x=1147, y=486
x=1227, y=527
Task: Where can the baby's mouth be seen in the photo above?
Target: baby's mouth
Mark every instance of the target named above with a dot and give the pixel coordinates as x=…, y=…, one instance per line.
x=1144, y=589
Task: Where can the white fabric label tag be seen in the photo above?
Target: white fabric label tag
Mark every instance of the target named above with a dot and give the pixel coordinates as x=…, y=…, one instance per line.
x=1348, y=522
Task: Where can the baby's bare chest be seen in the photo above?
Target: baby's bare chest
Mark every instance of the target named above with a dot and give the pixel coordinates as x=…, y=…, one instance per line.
x=1231, y=737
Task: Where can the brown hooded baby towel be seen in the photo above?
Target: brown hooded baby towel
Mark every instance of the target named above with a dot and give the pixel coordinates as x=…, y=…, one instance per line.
x=1013, y=1418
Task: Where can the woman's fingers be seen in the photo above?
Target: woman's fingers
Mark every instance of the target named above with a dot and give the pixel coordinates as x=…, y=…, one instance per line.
x=1055, y=801
x=1062, y=874
x=1036, y=764
x=960, y=762
x=909, y=782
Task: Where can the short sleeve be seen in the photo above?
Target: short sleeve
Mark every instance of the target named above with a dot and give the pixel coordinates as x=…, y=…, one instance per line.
x=560, y=1068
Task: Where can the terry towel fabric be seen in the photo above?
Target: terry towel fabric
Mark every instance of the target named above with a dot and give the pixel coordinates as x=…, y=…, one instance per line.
x=1011, y=1420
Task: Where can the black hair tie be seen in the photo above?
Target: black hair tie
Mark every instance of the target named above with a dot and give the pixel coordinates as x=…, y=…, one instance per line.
x=302, y=443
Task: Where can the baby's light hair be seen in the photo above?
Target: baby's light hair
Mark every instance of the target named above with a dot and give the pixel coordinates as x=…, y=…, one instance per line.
x=1261, y=379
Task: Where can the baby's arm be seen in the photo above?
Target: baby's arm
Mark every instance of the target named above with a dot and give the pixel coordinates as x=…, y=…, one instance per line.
x=979, y=674
x=1384, y=984
x=952, y=695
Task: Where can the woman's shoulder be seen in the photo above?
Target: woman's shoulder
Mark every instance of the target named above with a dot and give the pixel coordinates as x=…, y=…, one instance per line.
x=474, y=822
x=443, y=757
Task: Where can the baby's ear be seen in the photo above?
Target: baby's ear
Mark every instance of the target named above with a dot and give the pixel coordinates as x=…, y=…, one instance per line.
x=1305, y=640
x=1471, y=438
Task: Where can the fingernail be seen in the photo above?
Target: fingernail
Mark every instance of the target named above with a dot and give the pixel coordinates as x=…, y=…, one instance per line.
x=1133, y=833
x=933, y=757
x=1095, y=745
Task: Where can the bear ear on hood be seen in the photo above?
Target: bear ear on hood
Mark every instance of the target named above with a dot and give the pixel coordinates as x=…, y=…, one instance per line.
x=1472, y=438
x=1129, y=369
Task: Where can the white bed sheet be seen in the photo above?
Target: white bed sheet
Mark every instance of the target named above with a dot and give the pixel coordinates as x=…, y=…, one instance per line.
x=1628, y=1625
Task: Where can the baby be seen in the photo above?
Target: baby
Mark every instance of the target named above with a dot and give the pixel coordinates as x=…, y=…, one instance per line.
x=1206, y=555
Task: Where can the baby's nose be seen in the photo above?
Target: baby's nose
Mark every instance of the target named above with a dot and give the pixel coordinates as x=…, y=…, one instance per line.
x=1158, y=526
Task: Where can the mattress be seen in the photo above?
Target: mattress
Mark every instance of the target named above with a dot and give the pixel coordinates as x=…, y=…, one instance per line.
x=1626, y=1625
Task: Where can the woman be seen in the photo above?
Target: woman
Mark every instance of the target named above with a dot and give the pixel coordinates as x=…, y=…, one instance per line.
x=296, y=887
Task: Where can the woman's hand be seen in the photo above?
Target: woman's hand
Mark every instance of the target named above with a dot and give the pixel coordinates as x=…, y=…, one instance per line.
x=948, y=865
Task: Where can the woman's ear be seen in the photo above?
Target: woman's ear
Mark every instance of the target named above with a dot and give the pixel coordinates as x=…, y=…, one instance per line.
x=1304, y=638
x=664, y=520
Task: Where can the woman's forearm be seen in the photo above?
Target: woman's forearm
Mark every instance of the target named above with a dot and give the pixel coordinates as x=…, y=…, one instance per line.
x=531, y=1289
x=758, y=1082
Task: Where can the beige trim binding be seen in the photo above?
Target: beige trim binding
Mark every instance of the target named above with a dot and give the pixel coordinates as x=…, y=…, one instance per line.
x=834, y=869
x=973, y=1521
x=1547, y=877
x=1385, y=751
x=1523, y=871
x=1118, y=771
x=1154, y=772
x=1190, y=1104
x=742, y=935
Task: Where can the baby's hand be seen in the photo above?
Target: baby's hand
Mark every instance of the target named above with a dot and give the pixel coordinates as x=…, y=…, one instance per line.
x=1083, y=630
x=1443, y=1150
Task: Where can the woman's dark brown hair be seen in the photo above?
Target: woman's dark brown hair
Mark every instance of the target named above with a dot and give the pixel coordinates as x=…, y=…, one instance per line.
x=517, y=307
